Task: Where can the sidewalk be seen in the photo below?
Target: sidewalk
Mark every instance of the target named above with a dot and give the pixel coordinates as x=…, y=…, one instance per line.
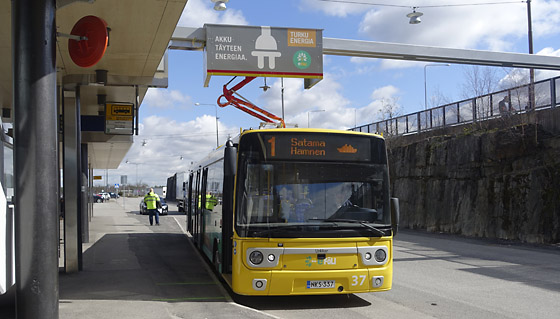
x=134, y=270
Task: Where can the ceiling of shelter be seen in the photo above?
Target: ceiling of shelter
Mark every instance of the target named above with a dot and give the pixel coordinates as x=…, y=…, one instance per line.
x=140, y=31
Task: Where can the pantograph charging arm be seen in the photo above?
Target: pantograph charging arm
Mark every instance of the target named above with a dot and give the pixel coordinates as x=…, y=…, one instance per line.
x=244, y=104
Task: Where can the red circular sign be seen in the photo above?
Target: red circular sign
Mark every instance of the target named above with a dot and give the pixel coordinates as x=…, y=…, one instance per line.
x=86, y=53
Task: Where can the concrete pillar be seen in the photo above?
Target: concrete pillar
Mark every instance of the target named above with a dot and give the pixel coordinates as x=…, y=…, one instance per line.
x=84, y=214
x=72, y=181
x=35, y=158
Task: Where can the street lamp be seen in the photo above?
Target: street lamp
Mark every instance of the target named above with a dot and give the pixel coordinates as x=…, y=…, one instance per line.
x=531, y=70
x=127, y=162
x=217, y=140
x=425, y=85
x=311, y=112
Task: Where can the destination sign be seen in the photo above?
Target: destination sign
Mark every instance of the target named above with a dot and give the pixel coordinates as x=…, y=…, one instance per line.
x=326, y=147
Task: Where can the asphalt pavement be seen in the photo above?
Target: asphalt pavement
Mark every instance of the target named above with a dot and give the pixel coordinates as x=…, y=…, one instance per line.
x=134, y=270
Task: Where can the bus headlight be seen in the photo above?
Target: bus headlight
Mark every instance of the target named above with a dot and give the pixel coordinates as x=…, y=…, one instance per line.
x=271, y=257
x=367, y=256
x=256, y=257
x=380, y=255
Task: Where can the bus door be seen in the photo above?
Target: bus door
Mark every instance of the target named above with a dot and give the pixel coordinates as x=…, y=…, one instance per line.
x=230, y=158
x=188, y=204
x=202, y=207
x=196, y=208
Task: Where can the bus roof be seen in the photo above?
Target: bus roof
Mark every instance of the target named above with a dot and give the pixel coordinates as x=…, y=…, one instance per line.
x=309, y=130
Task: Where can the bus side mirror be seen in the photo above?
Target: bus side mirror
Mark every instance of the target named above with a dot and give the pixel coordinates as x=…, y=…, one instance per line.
x=395, y=214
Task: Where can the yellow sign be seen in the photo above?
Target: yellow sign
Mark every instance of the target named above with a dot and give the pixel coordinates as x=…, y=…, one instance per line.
x=119, y=112
x=119, y=118
x=97, y=177
x=302, y=38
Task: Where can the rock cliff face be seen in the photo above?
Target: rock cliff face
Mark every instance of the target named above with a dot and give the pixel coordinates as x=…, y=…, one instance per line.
x=500, y=183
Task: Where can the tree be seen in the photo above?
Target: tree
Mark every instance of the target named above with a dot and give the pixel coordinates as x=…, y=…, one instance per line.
x=479, y=81
x=389, y=110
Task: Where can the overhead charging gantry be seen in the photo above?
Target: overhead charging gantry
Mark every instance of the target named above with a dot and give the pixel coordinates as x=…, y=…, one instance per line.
x=256, y=51
x=293, y=52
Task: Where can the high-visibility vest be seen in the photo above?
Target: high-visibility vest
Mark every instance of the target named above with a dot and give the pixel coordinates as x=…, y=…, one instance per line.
x=211, y=201
x=150, y=199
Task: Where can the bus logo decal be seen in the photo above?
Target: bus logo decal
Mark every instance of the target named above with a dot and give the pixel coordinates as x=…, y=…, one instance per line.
x=347, y=149
x=327, y=261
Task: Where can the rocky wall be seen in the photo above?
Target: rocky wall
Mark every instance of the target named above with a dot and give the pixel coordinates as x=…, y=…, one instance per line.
x=496, y=183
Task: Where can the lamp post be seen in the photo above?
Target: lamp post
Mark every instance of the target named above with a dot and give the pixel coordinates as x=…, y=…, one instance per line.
x=531, y=71
x=312, y=112
x=127, y=162
x=217, y=140
x=426, y=86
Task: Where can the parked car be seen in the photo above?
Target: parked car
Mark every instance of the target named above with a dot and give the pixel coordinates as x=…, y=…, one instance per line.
x=164, y=210
x=98, y=198
x=114, y=195
x=106, y=196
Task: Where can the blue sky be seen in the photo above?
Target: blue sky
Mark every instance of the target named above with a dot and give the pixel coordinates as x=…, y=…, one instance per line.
x=353, y=90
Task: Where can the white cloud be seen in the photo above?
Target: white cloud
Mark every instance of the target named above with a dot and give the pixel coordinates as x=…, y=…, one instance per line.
x=546, y=74
x=337, y=9
x=385, y=92
x=165, y=98
x=302, y=105
x=487, y=27
x=199, y=12
x=298, y=102
x=166, y=142
x=545, y=16
x=516, y=77
x=455, y=27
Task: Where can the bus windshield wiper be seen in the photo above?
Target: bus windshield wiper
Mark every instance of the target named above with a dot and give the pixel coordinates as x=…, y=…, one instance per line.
x=353, y=221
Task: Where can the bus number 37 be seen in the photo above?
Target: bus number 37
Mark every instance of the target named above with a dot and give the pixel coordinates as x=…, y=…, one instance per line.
x=358, y=280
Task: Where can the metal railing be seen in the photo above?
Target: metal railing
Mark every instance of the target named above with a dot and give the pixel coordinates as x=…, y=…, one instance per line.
x=467, y=111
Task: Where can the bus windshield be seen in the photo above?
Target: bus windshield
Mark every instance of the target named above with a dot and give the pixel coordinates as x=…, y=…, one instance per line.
x=312, y=196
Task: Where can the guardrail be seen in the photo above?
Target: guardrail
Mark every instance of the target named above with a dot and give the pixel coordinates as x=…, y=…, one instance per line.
x=467, y=111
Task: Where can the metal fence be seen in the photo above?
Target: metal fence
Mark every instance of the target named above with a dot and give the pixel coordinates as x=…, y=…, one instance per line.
x=472, y=110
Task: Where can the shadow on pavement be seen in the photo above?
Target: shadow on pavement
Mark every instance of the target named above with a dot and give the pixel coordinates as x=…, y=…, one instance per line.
x=141, y=266
x=302, y=302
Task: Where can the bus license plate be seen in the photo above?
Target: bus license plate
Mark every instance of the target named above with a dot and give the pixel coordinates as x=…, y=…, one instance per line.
x=319, y=284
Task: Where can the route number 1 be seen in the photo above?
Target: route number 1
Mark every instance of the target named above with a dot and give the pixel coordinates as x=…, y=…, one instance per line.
x=272, y=142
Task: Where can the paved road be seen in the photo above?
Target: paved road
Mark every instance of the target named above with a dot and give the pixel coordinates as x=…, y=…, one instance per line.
x=153, y=272
x=442, y=276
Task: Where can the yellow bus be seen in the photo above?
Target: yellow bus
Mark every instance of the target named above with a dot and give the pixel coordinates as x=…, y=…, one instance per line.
x=296, y=212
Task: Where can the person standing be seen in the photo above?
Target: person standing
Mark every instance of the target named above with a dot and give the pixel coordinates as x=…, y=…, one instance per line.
x=152, y=199
x=504, y=106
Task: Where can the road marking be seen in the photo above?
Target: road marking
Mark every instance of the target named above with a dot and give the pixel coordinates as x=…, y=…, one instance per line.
x=184, y=283
x=216, y=281
x=181, y=226
x=255, y=310
x=189, y=298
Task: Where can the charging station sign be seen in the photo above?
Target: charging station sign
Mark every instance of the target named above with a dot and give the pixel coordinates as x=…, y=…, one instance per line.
x=263, y=51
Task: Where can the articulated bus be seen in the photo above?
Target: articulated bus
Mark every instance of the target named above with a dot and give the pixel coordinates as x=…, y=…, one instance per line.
x=296, y=212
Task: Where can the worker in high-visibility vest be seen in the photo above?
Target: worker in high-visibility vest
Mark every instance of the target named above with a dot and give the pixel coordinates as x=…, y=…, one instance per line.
x=152, y=200
x=211, y=201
